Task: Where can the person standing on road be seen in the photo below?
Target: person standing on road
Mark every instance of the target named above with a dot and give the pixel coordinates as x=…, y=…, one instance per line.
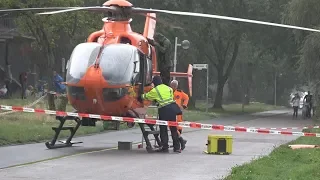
x=182, y=100
x=168, y=111
x=308, y=99
x=295, y=104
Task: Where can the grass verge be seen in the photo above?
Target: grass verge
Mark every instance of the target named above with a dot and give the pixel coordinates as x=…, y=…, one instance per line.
x=229, y=109
x=283, y=163
x=18, y=127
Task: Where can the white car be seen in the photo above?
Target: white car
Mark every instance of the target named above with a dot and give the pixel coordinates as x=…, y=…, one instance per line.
x=301, y=100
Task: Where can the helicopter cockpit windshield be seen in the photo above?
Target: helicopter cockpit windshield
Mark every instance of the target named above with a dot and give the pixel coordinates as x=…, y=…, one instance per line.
x=83, y=56
x=119, y=63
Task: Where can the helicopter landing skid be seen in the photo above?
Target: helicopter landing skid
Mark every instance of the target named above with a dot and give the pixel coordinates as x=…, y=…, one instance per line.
x=67, y=143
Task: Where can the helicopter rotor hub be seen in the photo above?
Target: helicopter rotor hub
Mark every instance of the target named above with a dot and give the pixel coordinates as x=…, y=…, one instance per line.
x=119, y=13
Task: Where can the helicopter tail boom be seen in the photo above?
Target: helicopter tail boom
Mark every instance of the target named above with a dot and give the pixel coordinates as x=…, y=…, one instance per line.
x=188, y=75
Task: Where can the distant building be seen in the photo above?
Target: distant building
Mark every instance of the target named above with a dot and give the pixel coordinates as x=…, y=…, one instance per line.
x=15, y=49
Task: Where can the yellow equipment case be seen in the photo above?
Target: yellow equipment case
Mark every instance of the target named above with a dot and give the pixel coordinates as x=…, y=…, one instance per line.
x=219, y=144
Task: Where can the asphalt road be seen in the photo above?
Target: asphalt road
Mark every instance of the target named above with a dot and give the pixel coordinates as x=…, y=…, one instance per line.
x=138, y=164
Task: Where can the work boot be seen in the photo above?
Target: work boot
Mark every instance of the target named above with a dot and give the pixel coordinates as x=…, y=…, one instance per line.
x=183, y=143
x=177, y=150
x=163, y=150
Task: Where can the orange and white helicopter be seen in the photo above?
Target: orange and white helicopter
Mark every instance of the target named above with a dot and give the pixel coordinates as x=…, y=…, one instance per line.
x=115, y=60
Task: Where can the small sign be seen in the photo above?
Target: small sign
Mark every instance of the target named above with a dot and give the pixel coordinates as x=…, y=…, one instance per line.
x=200, y=66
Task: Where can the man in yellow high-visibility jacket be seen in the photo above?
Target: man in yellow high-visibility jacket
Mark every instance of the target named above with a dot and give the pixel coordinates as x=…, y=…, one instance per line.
x=167, y=109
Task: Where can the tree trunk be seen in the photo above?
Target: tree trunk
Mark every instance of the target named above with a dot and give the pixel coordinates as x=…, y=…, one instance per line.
x=223, y=76
x=247, y=95
x=248, y=82
x=191, y=103
x=8, y=74
x=219, y=94
x=50, y=57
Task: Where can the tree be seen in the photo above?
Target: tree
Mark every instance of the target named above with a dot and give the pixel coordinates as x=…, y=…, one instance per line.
x=55, y=31
x=305, y=13
x=218, y=41
x=273, y=50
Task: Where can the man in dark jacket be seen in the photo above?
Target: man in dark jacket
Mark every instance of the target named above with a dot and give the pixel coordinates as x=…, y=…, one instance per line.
x=163, y=47
x=168, y=110
x=23, y=81
x=308, y=99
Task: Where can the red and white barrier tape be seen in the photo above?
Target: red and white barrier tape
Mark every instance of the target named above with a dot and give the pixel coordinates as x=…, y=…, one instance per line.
x=288, y=128
x=158, y=122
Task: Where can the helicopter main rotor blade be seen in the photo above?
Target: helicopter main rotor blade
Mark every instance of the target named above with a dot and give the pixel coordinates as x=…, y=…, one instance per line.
x=161, y=21
x=97, y=8
x=34, y=9
x=143, y=10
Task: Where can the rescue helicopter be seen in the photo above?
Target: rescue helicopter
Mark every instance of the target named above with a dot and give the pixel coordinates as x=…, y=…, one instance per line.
x=115, y=61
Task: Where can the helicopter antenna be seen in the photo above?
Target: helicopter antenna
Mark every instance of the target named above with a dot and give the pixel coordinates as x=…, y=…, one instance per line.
x=105, y=34
x=96, y=64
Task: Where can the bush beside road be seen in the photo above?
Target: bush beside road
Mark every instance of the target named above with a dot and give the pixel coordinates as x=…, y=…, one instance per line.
x=283, y=163
x=19, y=127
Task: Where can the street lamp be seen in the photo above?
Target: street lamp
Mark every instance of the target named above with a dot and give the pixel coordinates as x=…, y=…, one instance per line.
x=200, y=67
x=185, y=45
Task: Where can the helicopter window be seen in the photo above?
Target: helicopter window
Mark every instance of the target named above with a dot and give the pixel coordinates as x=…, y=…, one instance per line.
x=136, y=67
x=136, y=74
x=125, y=40
x=149, y=72
x=117, y=63
x=81, y=58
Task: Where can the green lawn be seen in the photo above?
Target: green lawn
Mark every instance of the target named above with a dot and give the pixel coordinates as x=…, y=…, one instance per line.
x=18, y=127
x=230, y=109
x=283, y=163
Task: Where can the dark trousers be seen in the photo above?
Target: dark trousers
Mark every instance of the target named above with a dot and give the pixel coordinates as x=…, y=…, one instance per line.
x=9, y=93
x=169, y=113
x=165, y=75
x=23, y=90
x=295, y=111
x=309, y=110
